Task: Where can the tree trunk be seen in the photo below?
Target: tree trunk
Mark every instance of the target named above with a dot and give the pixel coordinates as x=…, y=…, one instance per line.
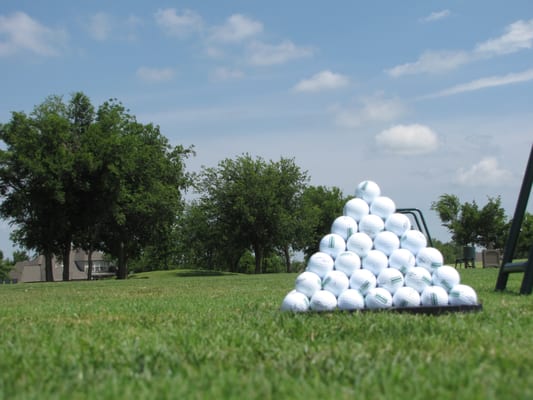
x=66, y=263
x=90, y=264
x=287, y=255
x=258, y=259
x=122, y=272
x=48, y=268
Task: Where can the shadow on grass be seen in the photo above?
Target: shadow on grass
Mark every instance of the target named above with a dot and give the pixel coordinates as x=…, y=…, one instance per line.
x=199, y=272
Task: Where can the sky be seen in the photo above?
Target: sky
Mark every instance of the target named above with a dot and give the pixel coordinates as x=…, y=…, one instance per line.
x=423, y=97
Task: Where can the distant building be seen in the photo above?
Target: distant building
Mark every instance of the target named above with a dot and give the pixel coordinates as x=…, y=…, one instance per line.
x=33, y=270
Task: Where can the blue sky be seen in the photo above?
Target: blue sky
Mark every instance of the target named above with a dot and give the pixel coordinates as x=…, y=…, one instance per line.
x=423, y=97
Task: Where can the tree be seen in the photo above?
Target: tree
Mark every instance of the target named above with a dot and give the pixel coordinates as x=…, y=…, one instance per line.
x=469, y=224
x=34, y=169
x=249, y=203
x=5, y=267
x=99, y=181
x=143, y=183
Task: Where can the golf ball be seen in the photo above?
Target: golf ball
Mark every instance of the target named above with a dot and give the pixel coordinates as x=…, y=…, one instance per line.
x=356, y=208
x=462, y=295
x=378, y=298
x=308, y=283
x=446, y=277
x=323, y=300
x=351, y=299
x=382, y=206
x=344, y=226
x=335, y=282
x=363, y=280
x=347, y=262
x=375, y=261
x=320, y=263
x=371, y=225
x=295, y=301
x=406, y=297
x=360, y=243
x=332, y=244
x=368, y=191
x=434, y=296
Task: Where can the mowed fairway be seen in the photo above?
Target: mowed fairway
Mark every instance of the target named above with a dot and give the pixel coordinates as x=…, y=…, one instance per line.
x=188, y=335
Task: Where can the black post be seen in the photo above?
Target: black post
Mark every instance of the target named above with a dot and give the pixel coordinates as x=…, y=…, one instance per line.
x=516, y=224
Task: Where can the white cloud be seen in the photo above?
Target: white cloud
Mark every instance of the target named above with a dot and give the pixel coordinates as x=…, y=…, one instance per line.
x=180, y=25
x=437, y=15
x=155, y=74
x=374, y=109
x=324, y=80
x=20, y=32
x=488, y=82
x=236, y=29
x=487, y=172
x=432, y=62
x=225, y=74
x=518, y=36
x=100, y=25
x=407, y=140
x=262, y=54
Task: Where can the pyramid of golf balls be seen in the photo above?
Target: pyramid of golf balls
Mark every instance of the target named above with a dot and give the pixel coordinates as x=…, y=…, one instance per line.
x=374, y=259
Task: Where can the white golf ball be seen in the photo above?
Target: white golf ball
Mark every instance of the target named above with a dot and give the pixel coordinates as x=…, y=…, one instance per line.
x=335, y=282
x=332, y=244
x=434, y=296
x=347, y=262
x=462, y=295
x=295, y=301
x=344, y=226
x=371, y=225
x=413, y=240
x=323, y=300
x=378, y=298
x=308, y=283
x=363, y=280
x=368, y=191
x=375, y=261
x=320, y=263
x=402, y=260
x=360, y=243
x=386, y=242
x=382, y=206
x=390, y=279
x=351, y=299
x=418, y=278
x=430, y=258
x=406, y=297
x=398, y=223
x=356, y=208
x=446, y=277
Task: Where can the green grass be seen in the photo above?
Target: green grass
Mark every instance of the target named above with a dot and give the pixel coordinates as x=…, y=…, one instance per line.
x=188, y=335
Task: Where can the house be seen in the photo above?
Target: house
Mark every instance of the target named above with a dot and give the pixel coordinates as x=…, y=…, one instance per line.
x=33, y=270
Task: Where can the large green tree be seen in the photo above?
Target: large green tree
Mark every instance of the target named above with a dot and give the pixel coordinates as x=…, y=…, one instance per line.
x=250, y=204
x=35, y=171
x=100, y=181
x=469, y=224
x=143, y=183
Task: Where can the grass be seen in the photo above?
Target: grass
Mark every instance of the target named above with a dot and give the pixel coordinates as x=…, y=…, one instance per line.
x=196, y=335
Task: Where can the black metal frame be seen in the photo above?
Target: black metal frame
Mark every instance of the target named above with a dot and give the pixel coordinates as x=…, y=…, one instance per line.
x=508, y=266
x=419, y=220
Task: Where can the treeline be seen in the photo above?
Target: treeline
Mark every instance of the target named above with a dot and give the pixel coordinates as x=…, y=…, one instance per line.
x=96, y=179
x=72, y=175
